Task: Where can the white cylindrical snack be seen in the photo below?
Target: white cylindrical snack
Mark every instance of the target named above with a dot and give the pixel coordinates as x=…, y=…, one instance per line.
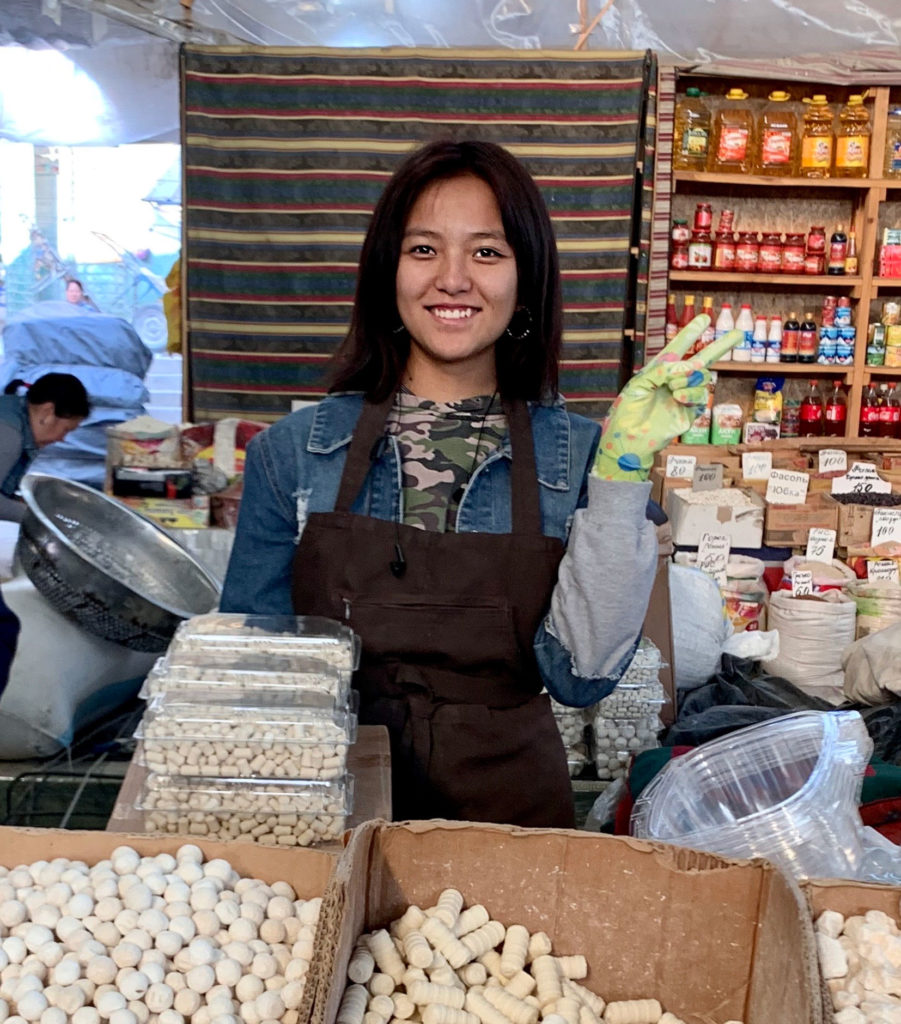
x=353, y=1005
x=424, y=992
x=511, y=1007
x=633, y=1011
x=482, y=939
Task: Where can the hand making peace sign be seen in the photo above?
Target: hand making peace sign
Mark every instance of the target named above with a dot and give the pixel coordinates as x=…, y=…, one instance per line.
x=658, y=404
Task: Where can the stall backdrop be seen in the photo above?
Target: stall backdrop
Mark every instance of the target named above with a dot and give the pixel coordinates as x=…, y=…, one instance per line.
x=287, y=151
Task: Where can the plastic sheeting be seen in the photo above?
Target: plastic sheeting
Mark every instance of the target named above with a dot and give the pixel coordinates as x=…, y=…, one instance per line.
x=128, y=48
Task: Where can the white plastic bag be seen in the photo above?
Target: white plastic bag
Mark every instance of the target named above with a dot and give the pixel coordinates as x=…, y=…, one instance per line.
x=700, y=626
x=813, y=634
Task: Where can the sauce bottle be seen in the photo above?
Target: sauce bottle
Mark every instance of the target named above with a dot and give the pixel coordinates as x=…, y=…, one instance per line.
x=776, y=148
x=733, y=129
x=851, y=263
x=692, y=133
x=852, y=140
x=810, y=415
x=709, y=332
x=816, y=139
x=836, y=412
x=868, y=424
x=672, y=320
x=688, y=311
x=808, y=344
x=791, y=331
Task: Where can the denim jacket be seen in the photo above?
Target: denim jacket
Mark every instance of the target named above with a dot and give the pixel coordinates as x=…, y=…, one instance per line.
x=294, y=468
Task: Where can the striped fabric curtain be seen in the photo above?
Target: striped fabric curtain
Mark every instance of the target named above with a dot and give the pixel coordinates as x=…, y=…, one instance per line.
x=286, y=152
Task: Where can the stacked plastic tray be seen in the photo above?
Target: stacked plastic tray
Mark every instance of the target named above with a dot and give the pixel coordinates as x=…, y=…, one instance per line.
x=628, y=720
x=247, y=728
x=574, y=725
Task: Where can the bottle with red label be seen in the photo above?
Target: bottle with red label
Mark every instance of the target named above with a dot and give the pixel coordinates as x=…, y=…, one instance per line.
x=688, y=311
x=889, y=411
x=777, y=137
x=733, y=131
x=868, y=425
x=838, y=249
x=835, y=416
x=791, y=331
x=811, y=414
x=672, y=319
x=808, y=341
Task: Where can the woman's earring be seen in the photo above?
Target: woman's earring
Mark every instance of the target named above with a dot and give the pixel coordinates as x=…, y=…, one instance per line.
x=399, y=329
x=524, y=329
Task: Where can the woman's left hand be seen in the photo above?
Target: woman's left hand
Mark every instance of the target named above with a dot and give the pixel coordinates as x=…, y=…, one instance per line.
x=658, y=404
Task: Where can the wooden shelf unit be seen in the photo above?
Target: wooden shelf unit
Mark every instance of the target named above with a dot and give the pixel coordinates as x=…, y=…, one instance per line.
x=863, y=200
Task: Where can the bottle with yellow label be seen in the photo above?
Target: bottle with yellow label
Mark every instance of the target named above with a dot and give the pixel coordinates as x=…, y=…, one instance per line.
x=733, y=135
x=817, y=140
x=852, y=140
x=776, y=147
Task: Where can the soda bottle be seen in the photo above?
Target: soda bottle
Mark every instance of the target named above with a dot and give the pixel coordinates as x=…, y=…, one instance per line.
x=777, y=137
x=672, y=319
x=868, y=424
x=733, y=130
x=889, y=411
x=774, y=340
x=810, y=416
x=741, y=353
x=807, y=340
x=836, y=412
x=816, y=139
x=691, y=138
x=852, y=140
x=894, y=402
x=725, y=322
x=791, y=331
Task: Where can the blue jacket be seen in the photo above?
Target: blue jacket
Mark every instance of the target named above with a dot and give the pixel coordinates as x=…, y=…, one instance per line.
x=14, y=411
x=294, y=467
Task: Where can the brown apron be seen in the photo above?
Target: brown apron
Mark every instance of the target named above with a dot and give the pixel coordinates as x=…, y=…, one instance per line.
x=447, y=622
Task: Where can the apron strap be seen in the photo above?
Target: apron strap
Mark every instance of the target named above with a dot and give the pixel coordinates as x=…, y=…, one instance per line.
x=370, y=433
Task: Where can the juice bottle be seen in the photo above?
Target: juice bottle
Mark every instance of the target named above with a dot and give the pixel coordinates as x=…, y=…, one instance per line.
x=852, y=140
x=808, y=345
x=776, y=148
x=811, y=413
x=838, y=250
x=733, y=131
x=868, y=424
x=791, y=331
x=892, y=165
x=816, y=139
x=691, y=139
x=836, y=412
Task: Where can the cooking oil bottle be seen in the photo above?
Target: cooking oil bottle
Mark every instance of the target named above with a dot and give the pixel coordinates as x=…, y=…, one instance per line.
x=817, y=139
x=733, y=135
x=852, y=140
x=776, y=146
x=691, y=137
x=892, y=164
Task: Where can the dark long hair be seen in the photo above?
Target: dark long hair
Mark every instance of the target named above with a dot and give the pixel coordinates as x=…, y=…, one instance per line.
x=65, y=391
x=373, y=355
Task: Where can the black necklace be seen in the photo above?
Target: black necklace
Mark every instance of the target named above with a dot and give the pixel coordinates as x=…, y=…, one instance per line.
x=457, y=496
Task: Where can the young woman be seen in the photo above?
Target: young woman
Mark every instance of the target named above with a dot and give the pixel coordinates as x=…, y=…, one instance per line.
x=443, y=503
x=55, y=404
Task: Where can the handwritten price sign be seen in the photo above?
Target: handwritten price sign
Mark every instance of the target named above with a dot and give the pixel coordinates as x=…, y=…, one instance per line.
x=802, y=583
x=713, y=555
x=820, y=544
x=833, y=460
x=882, y=569
x=680, y=467
x=886, y=526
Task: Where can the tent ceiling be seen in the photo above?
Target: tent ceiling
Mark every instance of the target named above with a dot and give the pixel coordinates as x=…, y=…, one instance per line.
x=128, y=48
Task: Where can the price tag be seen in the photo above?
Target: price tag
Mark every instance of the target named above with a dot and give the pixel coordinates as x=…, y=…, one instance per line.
x=820, y=544
x=802, y=583
x=786, y=487
x=886, y=526
x=681, y=467
x=833, y=460
x=707, y=478
x=756, y=465
x=883, y=569
x=861, y=478
x=713, y=555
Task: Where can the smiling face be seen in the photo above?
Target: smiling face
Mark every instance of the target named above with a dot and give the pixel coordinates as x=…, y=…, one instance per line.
x=456, y=288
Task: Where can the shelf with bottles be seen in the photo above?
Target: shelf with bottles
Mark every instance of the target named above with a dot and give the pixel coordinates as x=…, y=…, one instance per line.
x=758, y=181
x=749, y=280
x=789, y=369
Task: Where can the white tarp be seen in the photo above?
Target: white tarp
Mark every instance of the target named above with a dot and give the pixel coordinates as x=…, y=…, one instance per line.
x=125, y=51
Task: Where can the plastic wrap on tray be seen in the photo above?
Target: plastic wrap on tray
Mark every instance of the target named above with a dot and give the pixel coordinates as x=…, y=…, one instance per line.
x=223, y=676
x=628, y=720
x=308, y=636
x=245, y=740
x=274, y=812
x=572, y=723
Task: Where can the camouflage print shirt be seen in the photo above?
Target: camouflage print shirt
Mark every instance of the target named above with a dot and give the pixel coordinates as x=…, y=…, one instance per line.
x=441, y=444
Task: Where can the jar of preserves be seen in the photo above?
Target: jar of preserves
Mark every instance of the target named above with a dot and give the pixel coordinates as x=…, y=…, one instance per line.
x=678, y=257
x=724, y=251
x=700, y=251
x=793, y=253
x=703, y=217
x=747, y=252
x=816, y=239
x=681, y=233
x=814, y=264
x=770, y=253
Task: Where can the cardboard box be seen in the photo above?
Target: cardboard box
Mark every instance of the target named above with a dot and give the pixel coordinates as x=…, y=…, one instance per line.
x=742, y=525
x=855, y=523
x=712, y=939
x=787, y=526
x=173, y=512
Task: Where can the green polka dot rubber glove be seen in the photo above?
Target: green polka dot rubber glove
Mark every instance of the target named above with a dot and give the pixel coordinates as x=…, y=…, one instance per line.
x=658, y=404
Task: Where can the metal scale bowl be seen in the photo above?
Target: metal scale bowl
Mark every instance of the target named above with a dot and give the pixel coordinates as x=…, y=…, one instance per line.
x=114, y=572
